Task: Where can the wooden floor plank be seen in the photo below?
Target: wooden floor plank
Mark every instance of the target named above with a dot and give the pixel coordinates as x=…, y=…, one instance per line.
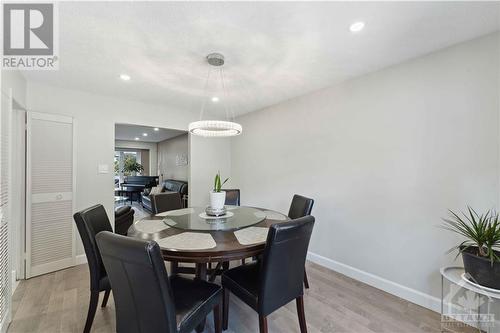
x=57, y=302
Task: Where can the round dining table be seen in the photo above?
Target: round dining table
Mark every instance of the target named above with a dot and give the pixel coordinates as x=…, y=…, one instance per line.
x=189, y=235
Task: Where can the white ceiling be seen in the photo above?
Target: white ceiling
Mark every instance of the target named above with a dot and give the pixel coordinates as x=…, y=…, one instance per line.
x=274, y=50
x=130, y=132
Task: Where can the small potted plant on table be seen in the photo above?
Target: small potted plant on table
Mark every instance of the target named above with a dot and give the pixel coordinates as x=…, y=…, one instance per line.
x=217, y=196
x=480, y=248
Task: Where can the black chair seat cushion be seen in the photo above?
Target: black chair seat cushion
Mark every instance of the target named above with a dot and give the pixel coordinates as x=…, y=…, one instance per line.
x=193, y=300
x=244, y=282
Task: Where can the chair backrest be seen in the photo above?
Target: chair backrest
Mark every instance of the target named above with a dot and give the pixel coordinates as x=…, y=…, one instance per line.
x=301, y=206
x=141, y=288
x=232, y=197
x=166, y=201
x=283, y=261
x=124, y=217
x=90, y=222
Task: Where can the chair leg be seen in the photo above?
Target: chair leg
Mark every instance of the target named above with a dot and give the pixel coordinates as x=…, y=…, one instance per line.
x=94, y=300
x=262, y=324
x=225, y=265
x=174, y=267
x=243, y=261
x=218, y=319
x=105, y=299
x=301, y=314
x=306, y=281
x=225, y=308
x=201, y=274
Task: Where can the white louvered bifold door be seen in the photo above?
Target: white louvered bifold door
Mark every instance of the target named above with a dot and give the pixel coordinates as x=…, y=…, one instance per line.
x=5, y=264
x=50, y=241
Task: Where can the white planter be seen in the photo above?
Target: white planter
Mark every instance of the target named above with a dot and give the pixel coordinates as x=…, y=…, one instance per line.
x=217, y=199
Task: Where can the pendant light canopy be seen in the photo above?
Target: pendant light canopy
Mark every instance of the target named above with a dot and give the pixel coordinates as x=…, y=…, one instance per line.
x=215, y=128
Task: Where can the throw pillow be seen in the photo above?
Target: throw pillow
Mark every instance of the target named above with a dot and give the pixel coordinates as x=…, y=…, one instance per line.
x=156, y=189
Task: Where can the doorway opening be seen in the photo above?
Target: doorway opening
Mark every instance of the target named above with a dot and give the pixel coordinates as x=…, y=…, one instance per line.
x=149, y=160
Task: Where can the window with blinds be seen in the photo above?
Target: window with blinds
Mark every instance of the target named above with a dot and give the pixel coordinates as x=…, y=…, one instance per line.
x=5, y=283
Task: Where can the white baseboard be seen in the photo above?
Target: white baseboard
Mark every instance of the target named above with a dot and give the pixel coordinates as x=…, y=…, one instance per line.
x=14, y=282
x=409, y=294
x=81, y=259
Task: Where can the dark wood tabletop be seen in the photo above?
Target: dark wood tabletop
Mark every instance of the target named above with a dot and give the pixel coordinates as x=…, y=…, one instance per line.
x=227, y=246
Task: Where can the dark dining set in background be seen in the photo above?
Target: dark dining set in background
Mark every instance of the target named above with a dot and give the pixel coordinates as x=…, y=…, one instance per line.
x=132, y=264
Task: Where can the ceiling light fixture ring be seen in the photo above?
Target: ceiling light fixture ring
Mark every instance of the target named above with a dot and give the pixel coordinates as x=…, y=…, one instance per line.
x=215, y=128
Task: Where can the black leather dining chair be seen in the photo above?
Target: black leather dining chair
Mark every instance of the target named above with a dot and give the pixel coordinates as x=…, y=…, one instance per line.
x=90, y=222
x=276, y=279
x=146, y=299
x=124, y=217
x=301, y=206
x=163, y=202
x=232, y=197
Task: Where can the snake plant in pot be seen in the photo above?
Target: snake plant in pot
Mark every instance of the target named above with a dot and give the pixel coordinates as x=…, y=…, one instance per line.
x=217, y=196
x=480, y=249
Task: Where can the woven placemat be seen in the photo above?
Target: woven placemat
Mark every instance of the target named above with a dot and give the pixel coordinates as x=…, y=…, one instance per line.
x=177, y=212
x=251, y=235
x=188, y=241
x=269, y=214
x=150, y=226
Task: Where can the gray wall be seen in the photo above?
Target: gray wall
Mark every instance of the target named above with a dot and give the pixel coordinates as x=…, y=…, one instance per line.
x=95, y=118
x=384, y=156
x=207, y=156
x=168, y=150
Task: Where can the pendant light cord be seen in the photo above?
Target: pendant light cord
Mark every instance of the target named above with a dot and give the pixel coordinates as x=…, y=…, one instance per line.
x=205, y=97
x=226, y=97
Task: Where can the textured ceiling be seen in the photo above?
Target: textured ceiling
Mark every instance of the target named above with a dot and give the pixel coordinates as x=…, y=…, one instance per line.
x=274, y=50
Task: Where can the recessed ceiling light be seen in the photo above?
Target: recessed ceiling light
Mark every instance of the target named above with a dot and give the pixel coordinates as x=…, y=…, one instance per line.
x=144, y=134
x=357, y=26
x=156, y=129
x=215, y=99
x=136, y=139
x=125, y=77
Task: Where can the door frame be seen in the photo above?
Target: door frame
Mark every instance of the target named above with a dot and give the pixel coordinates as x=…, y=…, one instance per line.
x=30, y=115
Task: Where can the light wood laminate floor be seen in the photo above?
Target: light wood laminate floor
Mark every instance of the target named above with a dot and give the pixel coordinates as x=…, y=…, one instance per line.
x=57, y=302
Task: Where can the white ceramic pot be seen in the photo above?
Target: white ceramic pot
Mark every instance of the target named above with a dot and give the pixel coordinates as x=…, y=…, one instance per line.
x=217, y=199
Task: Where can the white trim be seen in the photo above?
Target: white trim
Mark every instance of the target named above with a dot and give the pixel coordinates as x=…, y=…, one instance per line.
x=51, y=267
x=409, y=294
x=81, y=259
x=14, y=281
x=51, y=117
x=27, y=214
x=73, y=197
